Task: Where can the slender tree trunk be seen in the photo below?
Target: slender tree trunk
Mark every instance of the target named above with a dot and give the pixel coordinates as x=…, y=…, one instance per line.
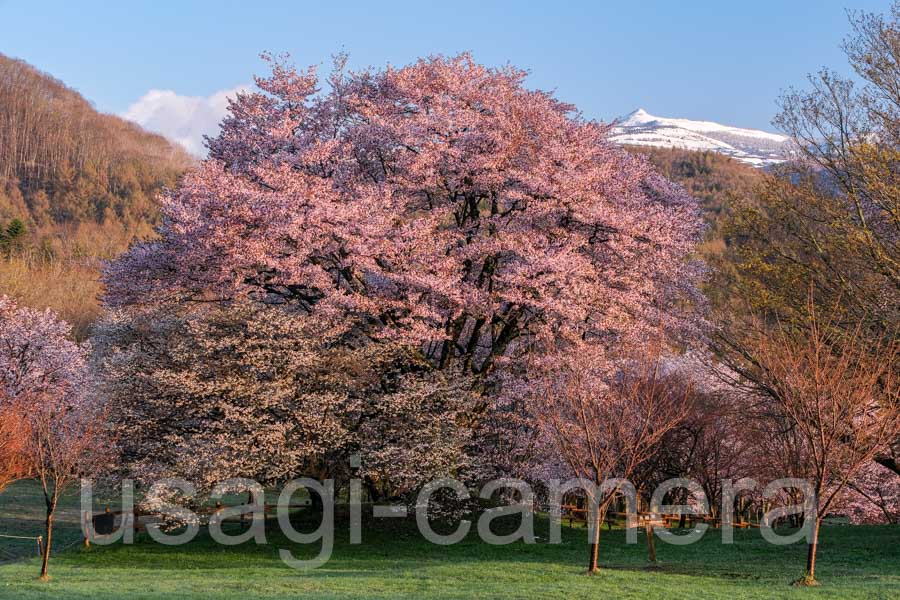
x=316, y=502
x=245, y=515
x=651, y=543
x=810, y=578
x=48, y=540
x=595, y=543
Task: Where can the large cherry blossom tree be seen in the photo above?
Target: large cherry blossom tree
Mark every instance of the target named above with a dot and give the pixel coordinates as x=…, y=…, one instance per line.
x=442, y=207
x=442, y=201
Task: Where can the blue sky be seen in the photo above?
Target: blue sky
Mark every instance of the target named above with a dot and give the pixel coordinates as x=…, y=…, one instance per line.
x=723, y=61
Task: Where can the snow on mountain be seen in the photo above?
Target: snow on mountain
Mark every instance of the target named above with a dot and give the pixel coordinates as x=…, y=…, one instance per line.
x=758, y=148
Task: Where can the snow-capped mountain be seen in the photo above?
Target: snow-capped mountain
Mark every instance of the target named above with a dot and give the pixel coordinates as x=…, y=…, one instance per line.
x=758, y=148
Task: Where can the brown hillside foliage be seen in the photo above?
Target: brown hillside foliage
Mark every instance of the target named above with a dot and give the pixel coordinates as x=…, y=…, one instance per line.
x=76, y=186
x=831, y=220
x=62, y=161
x=711, y=178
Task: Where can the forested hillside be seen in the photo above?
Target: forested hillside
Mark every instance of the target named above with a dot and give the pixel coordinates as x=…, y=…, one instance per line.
x=76, y=186
x=712, y=178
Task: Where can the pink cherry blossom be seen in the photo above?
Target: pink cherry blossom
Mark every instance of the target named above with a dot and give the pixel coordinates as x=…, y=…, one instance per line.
x=443, y=208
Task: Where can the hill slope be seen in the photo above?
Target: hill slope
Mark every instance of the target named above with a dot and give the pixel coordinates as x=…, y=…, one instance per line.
x=63, y=162
x=710, y=177
x=76, y=186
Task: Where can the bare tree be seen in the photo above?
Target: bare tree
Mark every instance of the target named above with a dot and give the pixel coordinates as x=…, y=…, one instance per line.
x=832, y=217
x=830, y=405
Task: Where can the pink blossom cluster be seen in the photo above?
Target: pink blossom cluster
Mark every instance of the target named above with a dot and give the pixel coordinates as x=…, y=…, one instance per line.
x=443, y=202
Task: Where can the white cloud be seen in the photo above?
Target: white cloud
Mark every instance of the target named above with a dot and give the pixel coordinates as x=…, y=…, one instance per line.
x=182, y=119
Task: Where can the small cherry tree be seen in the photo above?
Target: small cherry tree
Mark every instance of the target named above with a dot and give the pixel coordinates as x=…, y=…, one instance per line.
x=607, y=423
x=67, y=441
x=45, y=377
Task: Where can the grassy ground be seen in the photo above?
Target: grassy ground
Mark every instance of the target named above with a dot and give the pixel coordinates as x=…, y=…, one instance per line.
x=22, y=513
x=394, y=561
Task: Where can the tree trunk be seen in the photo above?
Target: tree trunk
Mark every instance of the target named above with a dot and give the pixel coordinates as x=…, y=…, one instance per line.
x=45, y=559
x=810, y=578
x=317, y=503
x=595, y=544
x=651, y=543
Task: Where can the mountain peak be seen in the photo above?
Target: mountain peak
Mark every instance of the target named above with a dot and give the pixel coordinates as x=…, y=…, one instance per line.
x=637, y=116
x=753, y=146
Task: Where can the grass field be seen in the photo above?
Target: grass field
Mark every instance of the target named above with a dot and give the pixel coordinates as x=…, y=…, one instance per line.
x=394, y=561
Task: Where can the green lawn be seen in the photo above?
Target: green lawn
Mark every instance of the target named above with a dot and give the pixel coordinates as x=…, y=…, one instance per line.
x=395, y=562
